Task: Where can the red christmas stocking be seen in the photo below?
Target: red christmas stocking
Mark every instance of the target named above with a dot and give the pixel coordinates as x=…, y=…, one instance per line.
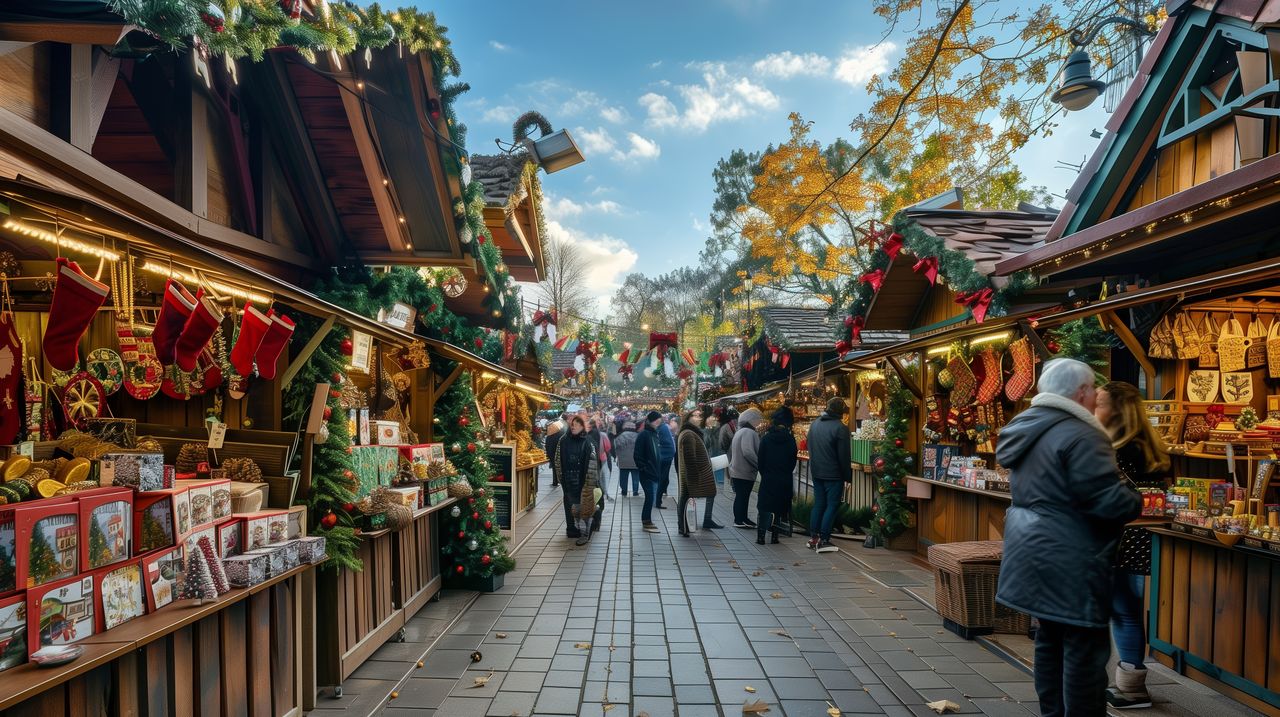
x=989, y=386
x=253, y=328
x=12, y=413
x=966, y=384
x=273, y=343
x=196, y=333
x=1024, y=370
x=76, y=298
x=174, y=312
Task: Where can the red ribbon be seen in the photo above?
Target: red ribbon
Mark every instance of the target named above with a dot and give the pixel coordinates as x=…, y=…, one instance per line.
x=856, y=324
x=684, y=374
x=977, y=301
x=543, y=318
x=569, y=373
x=663, y=343
x=892, y=245
x=843, y=347
x=715, y=360
x=874, y=278
x=929, y=267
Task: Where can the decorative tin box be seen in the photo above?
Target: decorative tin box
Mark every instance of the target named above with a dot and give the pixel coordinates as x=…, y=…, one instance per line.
x=275, y=559
x=13, y=631
x=106, y=526
x=48, y=542
x=263, y=528
x=120, y=595
x=161, y=569
x=142, y=471
x=247, y=570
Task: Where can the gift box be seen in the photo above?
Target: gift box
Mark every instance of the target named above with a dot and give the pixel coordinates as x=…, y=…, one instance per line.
x=160, y=519
x=263, y=528
x=275, y=559
x=292, y=555
x=247, y=570
x=189, y=543
x=13, y=631
x=141, y=471
x=119, y=595
x=161, y=569
x=409, y=496
x=106, y=527
x=297, y=522
x=311, y=549
x=374, y=466
x=200, y=497
x=230, y=533
x=60, y=613
x=48, y=541
x=386, y=433
x=222, y=499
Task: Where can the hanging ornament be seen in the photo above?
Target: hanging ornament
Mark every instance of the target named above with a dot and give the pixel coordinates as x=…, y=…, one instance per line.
x=897, y=442
x=878, y=463
x=462, y=534
x=471, y=448
x=472, y=544
x=471, y=501
x=458, y=569
x=347, y=347
x=945, y=379
x=475, y=516
x=329, y=520
x=455, y=512
x=489, y=508
x=348, y=507
x=454, y=285
x=909, y=461
x=328, y=413
x=479, y=491
x=488, y=525
x=882, y=522
x=247, y=423
x=464, y=421
x=485, y=559
x=336, y=377
x=456, y=448
x=322, y=435
x=1053, y=346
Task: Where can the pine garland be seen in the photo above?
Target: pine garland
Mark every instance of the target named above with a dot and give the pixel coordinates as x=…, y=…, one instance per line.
x=1084, y=340
x=893, y=463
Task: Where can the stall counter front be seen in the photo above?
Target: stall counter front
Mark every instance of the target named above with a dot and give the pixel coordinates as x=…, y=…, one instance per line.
x=953, y=513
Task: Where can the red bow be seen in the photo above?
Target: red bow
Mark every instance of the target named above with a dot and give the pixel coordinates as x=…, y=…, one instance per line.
x=929, y=267
x=569, y=373
x=843, y=347
x=855, y=324
x=684, y=374
x=892, y=245
x=663, y=343
x=874, y=278
x=589, y=351
x=977, y=301
x=543, y=318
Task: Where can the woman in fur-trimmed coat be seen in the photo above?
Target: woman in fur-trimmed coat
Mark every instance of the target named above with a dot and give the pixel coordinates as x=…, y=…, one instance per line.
x=694, y=468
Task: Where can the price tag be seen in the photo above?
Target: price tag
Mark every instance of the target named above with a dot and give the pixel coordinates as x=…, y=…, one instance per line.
x=217, y=434
x=27, y=448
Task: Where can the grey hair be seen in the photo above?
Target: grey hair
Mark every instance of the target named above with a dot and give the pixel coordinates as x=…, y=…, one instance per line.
x=1065, y=376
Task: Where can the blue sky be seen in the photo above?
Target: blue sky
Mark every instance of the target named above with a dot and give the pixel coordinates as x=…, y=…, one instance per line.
x=656, y=93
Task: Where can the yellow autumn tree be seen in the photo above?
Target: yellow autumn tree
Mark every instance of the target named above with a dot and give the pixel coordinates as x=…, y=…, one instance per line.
x=805, y=215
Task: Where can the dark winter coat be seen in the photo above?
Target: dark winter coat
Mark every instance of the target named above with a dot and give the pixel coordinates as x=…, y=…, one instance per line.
x=777, y=467
x=1069, y=508
x=648, y=458
x=696, y=477
x=666, y=442
x=552, y=442
x=579, y=471
x=829, y=457
x=727, y=429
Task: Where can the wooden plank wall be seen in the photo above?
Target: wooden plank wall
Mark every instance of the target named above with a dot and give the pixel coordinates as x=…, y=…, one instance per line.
x=954, y=516
x=1188, y=162
x=26, y=74
x=238, y=661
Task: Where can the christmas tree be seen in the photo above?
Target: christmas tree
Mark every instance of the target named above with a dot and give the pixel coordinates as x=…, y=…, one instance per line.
x=154, y=534
x=196, y=582
x=214, y=564
x=99, y=553
x=42, y=563
x=473, y=544
x=893, y=461
x=8, y=581
x=1084, y=340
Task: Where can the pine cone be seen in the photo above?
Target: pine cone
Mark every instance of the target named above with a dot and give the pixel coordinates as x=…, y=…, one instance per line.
x=147, y=444
x=242, y=470
x=191, y=455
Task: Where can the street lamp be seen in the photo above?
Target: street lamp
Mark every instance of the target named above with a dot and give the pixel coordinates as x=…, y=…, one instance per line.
x=1079, y=88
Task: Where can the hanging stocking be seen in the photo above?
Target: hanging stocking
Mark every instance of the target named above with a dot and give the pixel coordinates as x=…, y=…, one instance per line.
x=198, y=331
x=966, y=384
x=174, y=311
x=253, y=327
x=278, y=335
x=76, y=298
x=1024, y=370
x=989, y=386
x=12, y=413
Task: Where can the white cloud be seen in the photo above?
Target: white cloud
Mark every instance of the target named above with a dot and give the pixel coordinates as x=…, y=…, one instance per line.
x=785, y=65
x=500, y=113
x=608, y=258
x=499, y=46
x=563, y=207
x=698, y=226
x=616, y=115
x=858, y=65
x=721, y=97
x=600, y=142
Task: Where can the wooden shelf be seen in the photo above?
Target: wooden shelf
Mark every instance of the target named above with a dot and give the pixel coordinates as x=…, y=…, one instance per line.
x=1217, y=457
x=998, y=495
x=433, y=508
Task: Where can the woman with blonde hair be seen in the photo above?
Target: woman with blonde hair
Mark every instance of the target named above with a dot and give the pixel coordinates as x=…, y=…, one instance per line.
x=1141, y=455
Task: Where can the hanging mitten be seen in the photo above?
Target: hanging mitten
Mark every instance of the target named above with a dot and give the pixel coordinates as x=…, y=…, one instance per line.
x=989, y=386
x=12, y=408
x=175, y=309
x=199, y=329
x=1024, y=370
x=253, y=328
x=278, y=335
x=966, y=384
x=76, y=299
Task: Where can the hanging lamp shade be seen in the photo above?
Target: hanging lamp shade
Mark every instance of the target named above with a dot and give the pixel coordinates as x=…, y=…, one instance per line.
x=1078, y=89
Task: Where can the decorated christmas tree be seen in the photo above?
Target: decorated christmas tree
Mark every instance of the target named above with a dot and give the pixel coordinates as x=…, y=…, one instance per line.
x=197, y=583
x=153, y=533
x=473, y=545
x=99, y=553
x=893, y=461
x=214, y=564
x=42, y=563
x=1084, y=340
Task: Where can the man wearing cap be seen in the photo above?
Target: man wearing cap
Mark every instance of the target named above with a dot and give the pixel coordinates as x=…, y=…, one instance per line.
x=744, y=465
x=647, y=455
x=830, y=469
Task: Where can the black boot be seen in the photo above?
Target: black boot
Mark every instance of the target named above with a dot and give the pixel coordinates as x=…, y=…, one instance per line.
x=774, y=539
x=760, y=537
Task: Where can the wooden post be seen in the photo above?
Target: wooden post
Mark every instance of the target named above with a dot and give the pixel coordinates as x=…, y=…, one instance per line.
x=312, y=344
x=1131, y=343
x=314, y=420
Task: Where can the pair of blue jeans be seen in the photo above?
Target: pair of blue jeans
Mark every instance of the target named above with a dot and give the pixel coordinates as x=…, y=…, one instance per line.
x=634, y=473
x=826, y=498
x=1126, y=617
x=650, y=499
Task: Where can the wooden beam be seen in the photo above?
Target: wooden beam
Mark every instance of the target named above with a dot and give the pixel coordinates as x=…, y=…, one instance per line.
x=362, y=135
x=1132, y=344
x=1036, y=342
x=312, y=344
x=444, y=384
x=87, y=33
x=105, y=70
x=71, y=99
x=907, y=379
x=486, y=388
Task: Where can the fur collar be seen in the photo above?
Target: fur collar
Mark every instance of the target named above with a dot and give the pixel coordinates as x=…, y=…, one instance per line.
x=1066, y=405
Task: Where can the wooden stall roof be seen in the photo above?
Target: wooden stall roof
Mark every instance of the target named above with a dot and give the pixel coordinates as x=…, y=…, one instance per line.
x=800, y=329
x=987, y=237
x=511, y=211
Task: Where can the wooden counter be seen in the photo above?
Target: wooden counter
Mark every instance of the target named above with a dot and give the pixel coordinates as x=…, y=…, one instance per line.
x=239, y=654
x=954, y=513
x=1215, y=615
x=526, y=487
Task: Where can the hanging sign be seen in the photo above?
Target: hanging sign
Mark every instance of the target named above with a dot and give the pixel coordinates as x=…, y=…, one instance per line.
x=400, y=316
x=361, y=350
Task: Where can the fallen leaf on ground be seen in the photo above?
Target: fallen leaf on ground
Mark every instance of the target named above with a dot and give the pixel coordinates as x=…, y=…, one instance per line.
x=779, y=633
x=798, y=562
x=750, y=689
x=943, y=706
x=775, y=596
x=758, y=707
x=501, y=635
x=833, y=711
x=482, y=680
x=757, y=573
x=582, y=645
x=605, y=707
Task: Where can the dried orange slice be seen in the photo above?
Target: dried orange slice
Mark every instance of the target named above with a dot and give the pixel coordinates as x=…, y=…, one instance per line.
x=14, y=467
x=75, y=470
x=48, y=488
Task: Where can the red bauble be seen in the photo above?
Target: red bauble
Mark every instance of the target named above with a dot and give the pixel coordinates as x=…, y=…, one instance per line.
x=485, y=559
x=329, y=520
x=879, y=464
x=480, y=492
x=883, y=521
x=471, y=447
x=894, y=484
x=464, y=421
x=335, y=393
x=348, y=474
x=336, y=377
x=875, y=508
x=471, y=501
x=475, y=516
x=347, y=347
x=432, y=309
x=488, y=508
x=327, y=412
x=461, y=534
x=459, y=570
x=1053, y=346
x=348, y=507
x=488, y=524
x=479, y=343
x=897, y=442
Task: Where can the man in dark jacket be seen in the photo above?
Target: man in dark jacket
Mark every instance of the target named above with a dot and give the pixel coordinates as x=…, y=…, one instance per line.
x=1070, y=505
x=777, y=461
x=667, y=452
x=554, y=433
x=830, y=468
x=648, y=460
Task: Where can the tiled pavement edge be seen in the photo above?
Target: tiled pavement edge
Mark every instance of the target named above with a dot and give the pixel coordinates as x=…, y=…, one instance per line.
x=664, y=625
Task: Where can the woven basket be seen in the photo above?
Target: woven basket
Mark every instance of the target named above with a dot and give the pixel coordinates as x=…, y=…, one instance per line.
x=460, y=489
x=965, y=576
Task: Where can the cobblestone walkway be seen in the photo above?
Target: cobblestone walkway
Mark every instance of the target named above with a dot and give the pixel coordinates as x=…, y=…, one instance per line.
x=636, y=623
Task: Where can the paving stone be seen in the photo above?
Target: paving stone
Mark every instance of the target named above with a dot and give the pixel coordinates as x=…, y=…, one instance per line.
x=464, y=707
x=776, y=667
x=655, y=706
x=853, y=702
x=694, y=695
x=798, y=688
x=558, y=701
x=651, y=686
x=651, y=668
x=523, y=682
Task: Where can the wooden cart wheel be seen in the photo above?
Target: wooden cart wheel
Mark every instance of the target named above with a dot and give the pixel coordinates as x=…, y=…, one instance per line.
x=82, y=398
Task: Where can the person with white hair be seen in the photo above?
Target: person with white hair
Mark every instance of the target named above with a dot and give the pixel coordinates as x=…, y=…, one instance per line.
x=1070, y=505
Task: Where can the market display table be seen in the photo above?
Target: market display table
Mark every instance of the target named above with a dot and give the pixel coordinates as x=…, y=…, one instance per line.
x=953, y=513
x=526, y=487
x=1215, y=614
x=239, y=654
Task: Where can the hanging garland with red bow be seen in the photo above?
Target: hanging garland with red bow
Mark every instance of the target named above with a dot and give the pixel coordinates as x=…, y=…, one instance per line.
x=544, y=325
x=973, y=289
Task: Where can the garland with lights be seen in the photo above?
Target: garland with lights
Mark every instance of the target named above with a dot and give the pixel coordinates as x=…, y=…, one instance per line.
x=972, y=288
x=473, y=545
x=893, y=463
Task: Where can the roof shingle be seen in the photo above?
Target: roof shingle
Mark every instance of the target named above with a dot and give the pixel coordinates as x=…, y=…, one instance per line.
x=501, y=176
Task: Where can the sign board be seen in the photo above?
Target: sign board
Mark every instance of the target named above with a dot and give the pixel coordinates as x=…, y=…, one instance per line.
x=361, y=350
x=217, y=434
x=501, y=495
x=400, y=316
x=502, y=460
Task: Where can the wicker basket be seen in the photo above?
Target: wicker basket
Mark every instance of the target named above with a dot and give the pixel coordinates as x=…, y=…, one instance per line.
x=965, y=575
